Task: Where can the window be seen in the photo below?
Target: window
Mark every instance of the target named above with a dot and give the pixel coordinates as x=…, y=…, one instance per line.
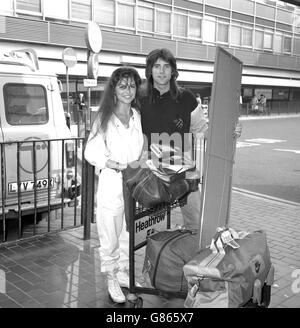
x=50, y=9
x=287, y=44
x=268, y=41
x=259, y=39
x=145, y=19
x=125, y=15
x=247, y=37
x=278, y=43
x=235, y=36
x=81, y=9
x=7, y=7
x=222, y=35
x=163, y=22
x=195, y=27
x=281, y=94
x=218, y=3
x=104, y=12
x=296, y=48
x=25, y=104
x=180, y=25
x=209, y=29
x=243, y=6
x=29, y=5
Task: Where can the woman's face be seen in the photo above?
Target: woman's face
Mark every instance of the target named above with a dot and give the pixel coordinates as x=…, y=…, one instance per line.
x=125, y=90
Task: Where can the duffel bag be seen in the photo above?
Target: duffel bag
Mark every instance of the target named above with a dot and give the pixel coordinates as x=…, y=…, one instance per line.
x=231, y=273
x=149, y=190
x=166, y=253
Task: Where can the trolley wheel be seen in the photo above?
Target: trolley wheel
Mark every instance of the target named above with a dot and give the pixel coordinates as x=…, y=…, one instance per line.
x=135, y=301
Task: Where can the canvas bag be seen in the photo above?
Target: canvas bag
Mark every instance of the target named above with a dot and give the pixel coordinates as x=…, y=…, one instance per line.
x=224, y=274
x=166, y=253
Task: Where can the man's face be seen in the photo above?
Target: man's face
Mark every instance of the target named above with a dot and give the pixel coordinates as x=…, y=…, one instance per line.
x=161, y=72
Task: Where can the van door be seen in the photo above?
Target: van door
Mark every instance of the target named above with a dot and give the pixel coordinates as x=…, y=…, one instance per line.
x=28, y=117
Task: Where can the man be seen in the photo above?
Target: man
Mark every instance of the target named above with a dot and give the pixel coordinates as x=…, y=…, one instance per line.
x=168, y=109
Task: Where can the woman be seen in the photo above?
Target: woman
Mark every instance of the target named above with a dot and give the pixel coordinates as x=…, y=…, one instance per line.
x=116, y=139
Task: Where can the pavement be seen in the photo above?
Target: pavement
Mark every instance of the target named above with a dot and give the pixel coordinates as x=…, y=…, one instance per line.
x=62, y=270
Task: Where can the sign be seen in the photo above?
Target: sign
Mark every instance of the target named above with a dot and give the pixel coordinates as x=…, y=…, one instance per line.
x=93, y=37
x=148, y=225
x=93, y=66
x=89, y=83
x=69, y=57
x=221, y=144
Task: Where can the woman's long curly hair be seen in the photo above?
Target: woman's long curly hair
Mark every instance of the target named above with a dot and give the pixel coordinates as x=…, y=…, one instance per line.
x=153, y=56
x=107, y=103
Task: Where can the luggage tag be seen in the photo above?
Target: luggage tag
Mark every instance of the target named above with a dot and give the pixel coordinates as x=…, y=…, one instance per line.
x=224, y=237
x=227, y=239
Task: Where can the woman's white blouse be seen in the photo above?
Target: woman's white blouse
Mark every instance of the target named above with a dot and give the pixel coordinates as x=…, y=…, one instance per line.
x=119, y=144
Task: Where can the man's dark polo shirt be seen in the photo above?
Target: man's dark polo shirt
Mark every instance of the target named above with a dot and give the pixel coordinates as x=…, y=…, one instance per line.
x=163, y=113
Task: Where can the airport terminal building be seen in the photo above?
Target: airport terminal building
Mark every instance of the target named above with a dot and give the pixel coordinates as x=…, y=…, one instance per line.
x=263, y=34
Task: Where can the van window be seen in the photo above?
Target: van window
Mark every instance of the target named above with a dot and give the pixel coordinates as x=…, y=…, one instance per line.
x=25, y=104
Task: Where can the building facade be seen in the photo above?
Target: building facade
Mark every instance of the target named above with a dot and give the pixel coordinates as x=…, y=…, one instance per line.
x=263, y=34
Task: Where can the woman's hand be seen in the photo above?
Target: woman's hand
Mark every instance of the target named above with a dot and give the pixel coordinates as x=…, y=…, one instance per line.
x=115, y=165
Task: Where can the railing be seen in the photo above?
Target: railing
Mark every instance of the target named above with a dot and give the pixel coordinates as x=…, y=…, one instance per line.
x=275, y=107
x=42, y=187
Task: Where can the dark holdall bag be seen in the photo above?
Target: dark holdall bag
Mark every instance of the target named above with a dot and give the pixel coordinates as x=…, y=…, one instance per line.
x=235, y=271
x=166, y=253
x=150, y=190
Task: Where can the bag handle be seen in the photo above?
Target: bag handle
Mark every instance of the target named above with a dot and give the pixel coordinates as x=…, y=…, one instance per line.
x=226, y=237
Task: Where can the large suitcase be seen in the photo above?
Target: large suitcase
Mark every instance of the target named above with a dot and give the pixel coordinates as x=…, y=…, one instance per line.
x=232, y=276
x=166, y=253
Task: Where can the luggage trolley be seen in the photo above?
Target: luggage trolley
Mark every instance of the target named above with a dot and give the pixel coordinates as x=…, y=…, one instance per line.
x=137, y=213
x=160, y=211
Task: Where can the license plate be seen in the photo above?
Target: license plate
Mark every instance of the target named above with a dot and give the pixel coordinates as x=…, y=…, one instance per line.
x=30, y=185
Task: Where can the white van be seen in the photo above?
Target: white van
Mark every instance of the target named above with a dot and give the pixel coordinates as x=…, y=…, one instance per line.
x=31, y=111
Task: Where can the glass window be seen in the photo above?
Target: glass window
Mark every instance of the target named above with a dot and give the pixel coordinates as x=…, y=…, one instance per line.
x=209, y=30
x=7, y=7
x=104, y=12
x=265, y=11
x=277, y=43
x=145, y=19
x=222, y=32
x=50, y=9
x=296, y=47
x=163, y=22
x=287, y=44
x=218, y=3
x=25, y=104
x=82, y=9
x=125, y=15
x=180, y=25
x=247, y=37
x=29, y=5
x=194, y=27
x=297, y=21
x=243, y=6
x=259, y=39
x=285, y=16
x=235, y=35
x=282, y=94
x=268, y=41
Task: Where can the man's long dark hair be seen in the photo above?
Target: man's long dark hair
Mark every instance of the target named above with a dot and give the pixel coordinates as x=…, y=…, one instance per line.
x=107, y=103
x=153, y=56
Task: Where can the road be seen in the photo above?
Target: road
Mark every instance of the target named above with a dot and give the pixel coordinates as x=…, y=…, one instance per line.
x=267, y=158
